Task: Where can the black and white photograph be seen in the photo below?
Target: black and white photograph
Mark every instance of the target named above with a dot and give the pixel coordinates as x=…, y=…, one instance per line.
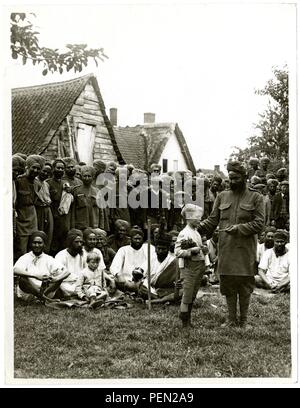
x=149, y=173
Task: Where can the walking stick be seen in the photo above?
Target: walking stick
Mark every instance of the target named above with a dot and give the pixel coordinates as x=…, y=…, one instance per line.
x=148, y=260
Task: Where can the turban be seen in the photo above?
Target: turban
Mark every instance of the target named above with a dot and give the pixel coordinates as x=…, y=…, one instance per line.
x=72, y=235
x=255, y=180
x=189, y=211
x=40, y=234
x=259, y=186
x=23, y=155
x=57, y=161
x=88, y=170
x=154, y=165
x=237, y=167
x=282, y=172
x=270, y=229
x=272, y=181
x=17, y=161
x=173, y=233
x=87, y=232
x=122, y=223
x=99, y=166
x=82, y=163
x=284, y=183
x=136, y=231
x=164, y=239
x=99, y=231
x=270, y=176
x=253, y=160
x=281, y=234
x=265, y=160
x=112, y=164
x=69, y=160
x=217, y=179
x=35, y=159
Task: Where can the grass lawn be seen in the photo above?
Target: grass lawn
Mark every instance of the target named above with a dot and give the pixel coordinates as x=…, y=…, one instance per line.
x=138, y=343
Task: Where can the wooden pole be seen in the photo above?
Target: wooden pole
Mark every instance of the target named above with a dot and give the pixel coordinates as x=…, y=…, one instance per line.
x=149, y=260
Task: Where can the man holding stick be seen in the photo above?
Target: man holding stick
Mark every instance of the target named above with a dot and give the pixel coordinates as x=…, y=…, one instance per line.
x=240, y=214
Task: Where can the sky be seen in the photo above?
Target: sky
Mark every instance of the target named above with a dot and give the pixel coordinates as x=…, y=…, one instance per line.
x=194, y=64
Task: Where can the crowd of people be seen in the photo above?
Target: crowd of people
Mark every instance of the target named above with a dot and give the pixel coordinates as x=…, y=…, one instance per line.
x=68, y=246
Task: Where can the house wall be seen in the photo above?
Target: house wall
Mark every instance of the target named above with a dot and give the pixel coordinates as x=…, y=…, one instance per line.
x=173, y=152
x=85, y=110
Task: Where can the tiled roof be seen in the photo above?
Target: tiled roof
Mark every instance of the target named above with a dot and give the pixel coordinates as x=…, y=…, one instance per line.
x=37, y=110
x=142, y=151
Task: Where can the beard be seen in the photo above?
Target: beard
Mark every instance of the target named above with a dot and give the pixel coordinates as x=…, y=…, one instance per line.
x=137, y=246
x=71, y=173
x=279, y=251
x=237, y=186
x=269, y=244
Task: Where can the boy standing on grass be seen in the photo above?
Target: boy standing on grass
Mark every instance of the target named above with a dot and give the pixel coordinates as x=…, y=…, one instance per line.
x=189, y=250
x=91, y=285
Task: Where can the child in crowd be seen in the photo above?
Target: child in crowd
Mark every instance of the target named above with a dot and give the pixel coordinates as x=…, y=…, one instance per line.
x=91, y=284
x=189, y=250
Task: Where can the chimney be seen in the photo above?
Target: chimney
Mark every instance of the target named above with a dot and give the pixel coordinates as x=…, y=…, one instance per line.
x=149, y=117
x=113, y=115
x=217, y=168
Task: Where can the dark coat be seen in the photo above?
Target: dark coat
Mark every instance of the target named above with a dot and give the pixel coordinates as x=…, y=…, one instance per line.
x=237, y=252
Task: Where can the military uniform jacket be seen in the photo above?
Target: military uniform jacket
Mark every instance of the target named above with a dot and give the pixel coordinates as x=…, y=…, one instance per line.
x=237, y=252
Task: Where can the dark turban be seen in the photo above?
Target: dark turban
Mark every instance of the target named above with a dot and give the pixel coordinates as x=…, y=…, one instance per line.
x=136, y=231
x=87, y=232
x=35, y=159
x=237, y=167
x=39, y=234
x=72, y=235
x=281, y=234
x=265, y=160
x=57, y=161
x=122, y=223
x=69, y=160
x=164, y=239
x=272, y=182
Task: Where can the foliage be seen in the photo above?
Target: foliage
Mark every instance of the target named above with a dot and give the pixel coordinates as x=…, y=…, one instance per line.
x=26, y=46
x=136, y=343
x=273, y=125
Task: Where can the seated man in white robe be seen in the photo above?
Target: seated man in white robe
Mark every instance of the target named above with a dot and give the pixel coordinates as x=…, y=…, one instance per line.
x=165, y=282
x=39, y=274
x=273, y=269
x=128, y=258
x=72, y=258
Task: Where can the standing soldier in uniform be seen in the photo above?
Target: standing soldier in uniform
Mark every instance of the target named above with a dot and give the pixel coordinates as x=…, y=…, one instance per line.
x=239, y=212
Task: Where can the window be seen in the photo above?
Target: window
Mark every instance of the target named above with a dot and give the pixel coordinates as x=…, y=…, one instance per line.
x=175, y=165
x=85, y=142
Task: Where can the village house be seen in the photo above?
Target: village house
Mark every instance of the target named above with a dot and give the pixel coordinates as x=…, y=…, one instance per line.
x=63, y=119
x=152, y=142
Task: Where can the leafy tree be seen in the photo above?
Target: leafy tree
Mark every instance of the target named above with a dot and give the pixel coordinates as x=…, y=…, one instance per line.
x=273, y=125
x=25, y=45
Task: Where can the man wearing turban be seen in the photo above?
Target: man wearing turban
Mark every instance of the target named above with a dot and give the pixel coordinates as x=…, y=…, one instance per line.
x=72, y=258
x=130, y=257
x=239, y=212
x=85, y=201
x=26, y=217
x=280, y=207
x=120, y=238
x=39, y=274
x=273, y=269
x=57, y=188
